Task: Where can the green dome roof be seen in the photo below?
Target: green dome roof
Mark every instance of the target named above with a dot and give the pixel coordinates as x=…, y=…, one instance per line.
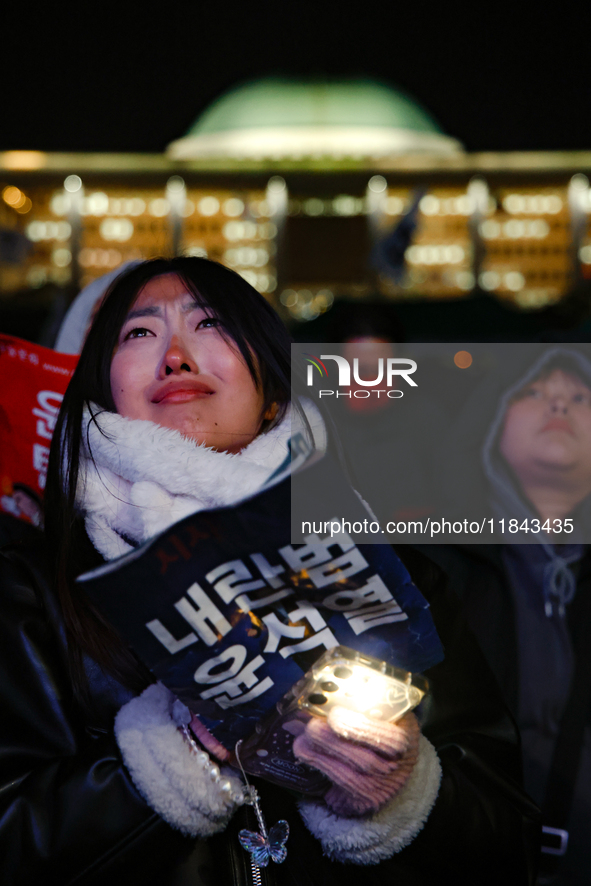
x=279, y=101
x=296, y=119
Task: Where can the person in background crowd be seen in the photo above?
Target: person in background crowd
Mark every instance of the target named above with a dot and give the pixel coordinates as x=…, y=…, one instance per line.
x=376, y=430
x=529, y=603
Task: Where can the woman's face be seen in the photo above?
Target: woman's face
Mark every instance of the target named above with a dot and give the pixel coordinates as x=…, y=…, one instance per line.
x=548, y=430
x=172, y=366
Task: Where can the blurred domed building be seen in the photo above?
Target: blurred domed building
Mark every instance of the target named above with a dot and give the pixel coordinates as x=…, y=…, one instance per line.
x=280, y=119
x=311, y=189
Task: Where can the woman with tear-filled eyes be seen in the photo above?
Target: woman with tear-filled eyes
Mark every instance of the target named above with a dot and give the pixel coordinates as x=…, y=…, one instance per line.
x=181, y=402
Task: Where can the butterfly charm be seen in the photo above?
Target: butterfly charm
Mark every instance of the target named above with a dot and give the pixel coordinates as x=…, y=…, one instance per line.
x=264, y=848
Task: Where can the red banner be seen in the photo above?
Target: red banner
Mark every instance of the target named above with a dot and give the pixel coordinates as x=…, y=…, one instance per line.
x=33, y=381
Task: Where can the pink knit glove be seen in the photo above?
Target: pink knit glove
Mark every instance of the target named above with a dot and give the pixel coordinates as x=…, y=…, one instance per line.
x=208, y=741
x=368, y=762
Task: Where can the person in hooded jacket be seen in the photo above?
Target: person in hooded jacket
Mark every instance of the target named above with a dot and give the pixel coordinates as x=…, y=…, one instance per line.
x=524, y=447
x=179, y=403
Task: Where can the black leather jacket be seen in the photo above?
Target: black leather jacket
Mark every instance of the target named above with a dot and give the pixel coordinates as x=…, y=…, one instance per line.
x=70, y=814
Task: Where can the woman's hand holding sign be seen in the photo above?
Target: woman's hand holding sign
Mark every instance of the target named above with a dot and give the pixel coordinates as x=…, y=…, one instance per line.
x=367, y=761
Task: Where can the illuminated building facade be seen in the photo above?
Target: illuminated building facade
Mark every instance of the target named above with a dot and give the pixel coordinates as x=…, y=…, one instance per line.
x=311, y=191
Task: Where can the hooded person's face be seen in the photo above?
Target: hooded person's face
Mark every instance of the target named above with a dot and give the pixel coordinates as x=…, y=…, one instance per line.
x=547, y=432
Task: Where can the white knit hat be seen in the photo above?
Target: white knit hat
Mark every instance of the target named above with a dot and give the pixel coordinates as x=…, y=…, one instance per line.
x=74, y=327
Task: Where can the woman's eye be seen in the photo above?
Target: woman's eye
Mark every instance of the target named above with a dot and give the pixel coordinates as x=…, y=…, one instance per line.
x=137, y=332
x=208, y=323
x=582, y=398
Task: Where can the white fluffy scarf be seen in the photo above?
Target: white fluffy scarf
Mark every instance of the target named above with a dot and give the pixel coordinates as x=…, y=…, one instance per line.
x=137, y=478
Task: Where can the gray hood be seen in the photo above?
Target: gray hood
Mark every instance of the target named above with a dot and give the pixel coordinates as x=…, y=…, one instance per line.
x=549, y=562
x=504, y=495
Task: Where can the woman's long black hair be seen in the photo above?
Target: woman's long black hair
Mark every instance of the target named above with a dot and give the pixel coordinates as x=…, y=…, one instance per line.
x=264, y=343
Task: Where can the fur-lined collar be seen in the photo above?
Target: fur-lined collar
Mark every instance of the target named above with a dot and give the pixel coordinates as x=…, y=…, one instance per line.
x=137, y=478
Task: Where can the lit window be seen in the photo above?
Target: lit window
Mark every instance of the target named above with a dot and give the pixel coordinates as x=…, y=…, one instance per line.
x=159, y=207
x=233, y=207
x=208, y=206
x=514, y=281
x=429, y=205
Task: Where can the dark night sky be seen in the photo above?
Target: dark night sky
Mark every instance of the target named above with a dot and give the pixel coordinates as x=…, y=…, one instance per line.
x=105, y=77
